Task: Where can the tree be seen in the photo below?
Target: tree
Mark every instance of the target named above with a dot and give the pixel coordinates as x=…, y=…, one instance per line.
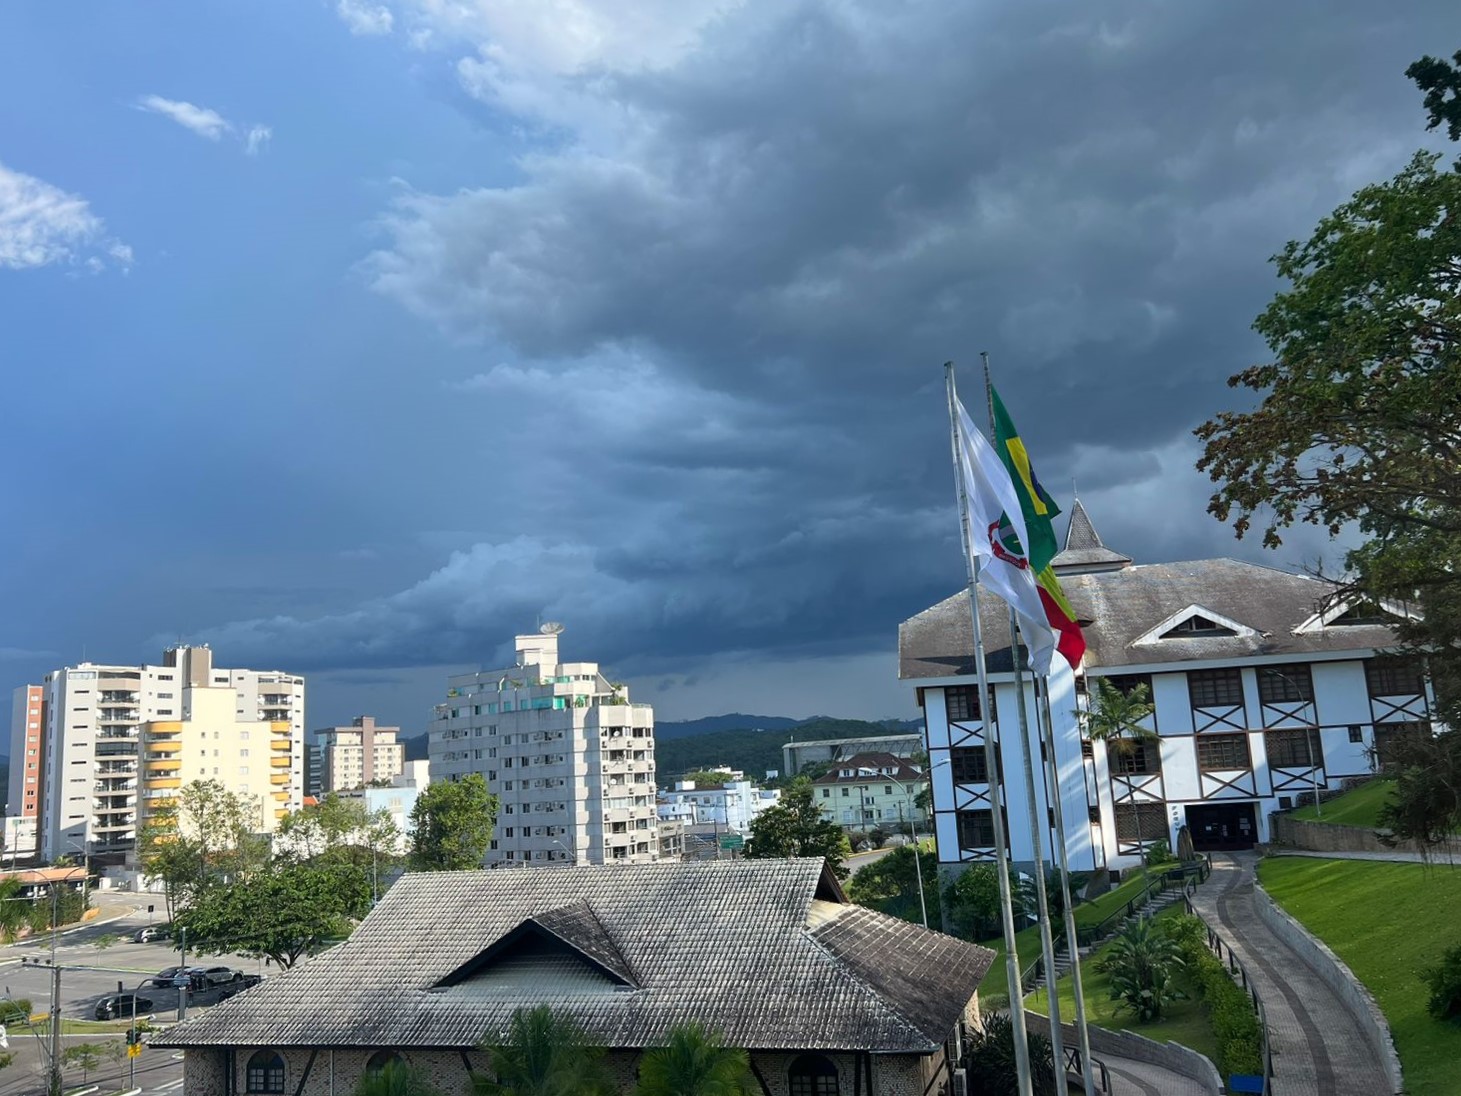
x=208, y=837
x=795, y=827
x=1360, y=420
x=1116, y=718
x=890, y=885
x=1438, y=79
x=452, y=823
x=707, y=778
x=86, y=1055
x=546, y=1054
x=989, y=1059
x=284, y=913
x=341, y=832
x=696, y=1062
x=973, y=902
x=395, y=1078
x=15, y=910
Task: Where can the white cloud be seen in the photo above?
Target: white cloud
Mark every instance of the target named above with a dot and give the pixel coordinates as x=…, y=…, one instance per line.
x=202, y=121
x=256, y=139
x=41, y=224
x=365, y=18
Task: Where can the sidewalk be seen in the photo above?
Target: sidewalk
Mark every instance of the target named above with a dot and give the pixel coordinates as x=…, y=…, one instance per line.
x=1317, y=1046
x=1396, y=857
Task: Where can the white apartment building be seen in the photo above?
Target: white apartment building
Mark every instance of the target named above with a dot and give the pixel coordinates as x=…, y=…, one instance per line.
x=92, y=731
x=570, y=758
x=733, y=804
x=397, y=800
x=357, y=755
x=1263, y=693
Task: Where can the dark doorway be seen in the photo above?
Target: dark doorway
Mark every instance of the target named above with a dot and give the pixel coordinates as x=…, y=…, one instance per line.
x=1218, y=826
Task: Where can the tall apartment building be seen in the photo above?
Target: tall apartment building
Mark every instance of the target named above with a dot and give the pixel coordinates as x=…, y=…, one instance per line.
x=351, y=757
x=91, y=736
x=570, y=758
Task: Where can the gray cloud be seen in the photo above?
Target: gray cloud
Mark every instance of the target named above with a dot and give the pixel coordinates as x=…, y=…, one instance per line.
x=719, y=297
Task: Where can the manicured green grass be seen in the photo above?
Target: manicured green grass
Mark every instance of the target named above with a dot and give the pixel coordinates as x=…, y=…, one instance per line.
x=1360, y=807
x=1184, y=1021
x=1386, y=921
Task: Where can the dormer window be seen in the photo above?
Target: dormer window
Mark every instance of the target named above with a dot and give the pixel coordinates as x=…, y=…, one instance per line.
x=1195, y=626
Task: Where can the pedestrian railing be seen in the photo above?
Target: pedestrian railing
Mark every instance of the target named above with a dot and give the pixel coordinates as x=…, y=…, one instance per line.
x=1236, y=968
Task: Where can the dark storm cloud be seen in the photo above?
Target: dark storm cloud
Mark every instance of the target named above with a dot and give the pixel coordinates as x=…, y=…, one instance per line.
x=729, y=294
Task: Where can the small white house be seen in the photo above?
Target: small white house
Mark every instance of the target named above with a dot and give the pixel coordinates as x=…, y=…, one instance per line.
x=733, y=804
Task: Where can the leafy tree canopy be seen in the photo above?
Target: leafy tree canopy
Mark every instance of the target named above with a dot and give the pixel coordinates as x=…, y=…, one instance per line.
x=1441, y=82
x=795, y=827
x=890, y=885
x=545, y=1054
x=452, y=823
x=696, y=1062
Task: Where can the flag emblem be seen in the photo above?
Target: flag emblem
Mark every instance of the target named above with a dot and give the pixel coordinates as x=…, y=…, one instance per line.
x=1004, y=542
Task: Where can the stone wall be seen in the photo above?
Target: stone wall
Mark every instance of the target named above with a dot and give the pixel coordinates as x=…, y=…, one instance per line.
x=1337, y=977
x=1284, y=829
x=1128, y=1044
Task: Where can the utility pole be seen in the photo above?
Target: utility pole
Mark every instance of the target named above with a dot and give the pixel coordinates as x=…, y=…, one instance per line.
x=55, y=1085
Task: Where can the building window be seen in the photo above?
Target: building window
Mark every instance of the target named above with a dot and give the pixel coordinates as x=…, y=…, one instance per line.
x=1215, y=688
x=1299, y=748
x=1285, y=684
x=962, y=702
x=1136, y=757
x=968, y=765
x=1395, y=675
x=1126, y=684
x=1141, y=821
x=265, y=1072
x=844, y=793
x=382, y=1058
x=1222, y=751
x=976, y=829
x=812, y=1075
x=826, y=793
x=1356, y=733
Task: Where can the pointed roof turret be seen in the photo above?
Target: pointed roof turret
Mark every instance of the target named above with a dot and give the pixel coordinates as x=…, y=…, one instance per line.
x=1084, y=552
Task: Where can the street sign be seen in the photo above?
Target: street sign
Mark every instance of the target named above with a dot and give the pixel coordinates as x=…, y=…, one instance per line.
x=732, y=841
x=134, y=1051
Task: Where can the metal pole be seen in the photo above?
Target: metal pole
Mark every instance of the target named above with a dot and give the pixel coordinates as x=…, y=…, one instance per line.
x=55, y=1024
x=1052, y=767
x=1001, y=851
x=917, y=861
x=131, y=1054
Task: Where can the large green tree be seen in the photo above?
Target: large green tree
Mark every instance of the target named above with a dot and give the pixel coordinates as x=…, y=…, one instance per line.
x=795, y=827
x=890, y=884
x=452, y=824
x=695, y=1062
x=1359, y=424
x=341, y=834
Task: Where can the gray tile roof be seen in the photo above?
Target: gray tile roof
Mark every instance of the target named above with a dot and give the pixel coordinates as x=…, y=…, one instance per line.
x=1083, y=548
x=1123, y=605
x=767, y=951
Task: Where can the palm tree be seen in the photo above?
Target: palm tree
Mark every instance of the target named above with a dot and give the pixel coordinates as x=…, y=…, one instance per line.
x=546, y=1054
x=1116, y=718
x=395, y=1078
x=15, y=911
x=696, y=1062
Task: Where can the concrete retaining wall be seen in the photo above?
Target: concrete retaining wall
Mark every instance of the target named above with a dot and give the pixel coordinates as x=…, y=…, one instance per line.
x=1284, y=829
x=1337, y=977
x=1128, y=1044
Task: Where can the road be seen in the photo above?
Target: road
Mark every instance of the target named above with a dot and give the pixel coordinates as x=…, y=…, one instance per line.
x=106, y=948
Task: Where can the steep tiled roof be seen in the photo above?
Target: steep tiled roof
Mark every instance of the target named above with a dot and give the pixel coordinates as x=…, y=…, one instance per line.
x=873, y=760
x=734, y=943
x=1123, y=605
x=1084, y=549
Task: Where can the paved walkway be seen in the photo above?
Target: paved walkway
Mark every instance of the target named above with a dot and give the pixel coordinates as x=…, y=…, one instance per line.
x=1395, y=857
x=1317, y=1046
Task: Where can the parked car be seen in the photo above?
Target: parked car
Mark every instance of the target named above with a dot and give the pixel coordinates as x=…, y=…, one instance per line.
x=215, y=976
x=168, y=975
x=120, y=1006
x=247, y=981
x=151, y=933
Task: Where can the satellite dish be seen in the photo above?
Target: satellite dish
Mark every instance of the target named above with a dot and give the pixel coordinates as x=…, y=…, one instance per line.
x=550, y=628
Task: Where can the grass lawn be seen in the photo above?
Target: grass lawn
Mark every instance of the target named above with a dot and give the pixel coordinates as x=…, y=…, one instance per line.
x=1185, y=1021
x=1386, y=921
x=1360, y=807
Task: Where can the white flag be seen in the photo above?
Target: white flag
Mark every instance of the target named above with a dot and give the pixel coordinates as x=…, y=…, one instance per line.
x=997, y=539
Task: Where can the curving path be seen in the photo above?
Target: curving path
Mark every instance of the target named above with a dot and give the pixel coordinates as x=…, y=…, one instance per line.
x=1318, y=1048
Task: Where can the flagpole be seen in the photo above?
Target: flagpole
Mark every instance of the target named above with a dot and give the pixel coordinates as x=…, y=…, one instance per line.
x=1037, y=826
x=1052, y=768
x=991, y=764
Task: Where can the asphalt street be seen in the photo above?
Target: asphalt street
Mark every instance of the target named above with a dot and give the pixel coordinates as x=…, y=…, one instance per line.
x=95, y=959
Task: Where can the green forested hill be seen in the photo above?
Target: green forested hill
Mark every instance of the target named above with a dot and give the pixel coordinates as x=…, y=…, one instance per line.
x=752, y=751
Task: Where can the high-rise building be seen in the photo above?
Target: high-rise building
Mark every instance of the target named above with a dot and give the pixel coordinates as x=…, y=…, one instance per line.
x=91, y=733
x=27, y=722
x=569, y=757
x=351, y=757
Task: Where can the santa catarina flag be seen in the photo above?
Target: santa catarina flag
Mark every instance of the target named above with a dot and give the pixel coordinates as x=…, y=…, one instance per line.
x=997, y=538
x=1038, y=510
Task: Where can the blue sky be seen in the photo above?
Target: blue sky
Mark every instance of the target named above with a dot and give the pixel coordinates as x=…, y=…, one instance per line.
x=354, y=336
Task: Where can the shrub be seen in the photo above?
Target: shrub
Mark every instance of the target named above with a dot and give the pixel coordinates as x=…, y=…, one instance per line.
x=1229, y=1010
x=1444, y=982
x=1159, y=852
x=1142, y=964
x=15, y=1011
x=989, y=1059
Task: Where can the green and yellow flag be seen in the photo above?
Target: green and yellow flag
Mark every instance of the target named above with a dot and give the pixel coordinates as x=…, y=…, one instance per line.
x=1039, y=510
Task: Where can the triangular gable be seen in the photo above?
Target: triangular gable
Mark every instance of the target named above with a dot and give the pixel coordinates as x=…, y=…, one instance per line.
x=1356, y=613
x=1178, y=626
x=563, y=931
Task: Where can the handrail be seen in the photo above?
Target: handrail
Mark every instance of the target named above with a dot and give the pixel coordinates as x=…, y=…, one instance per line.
x=1235, y=966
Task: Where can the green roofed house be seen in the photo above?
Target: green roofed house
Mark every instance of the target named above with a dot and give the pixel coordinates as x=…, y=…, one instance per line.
x=828, y=997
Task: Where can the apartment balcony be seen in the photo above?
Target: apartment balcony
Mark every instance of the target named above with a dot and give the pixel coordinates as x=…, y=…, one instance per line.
x=162, y=766
x=281, y=744
x=117, y=715
x=154, y=783
x=116, y=825
x=279, y=762
x=279, y=797
x=113, y=788
x=278, y=779
x=118, y=696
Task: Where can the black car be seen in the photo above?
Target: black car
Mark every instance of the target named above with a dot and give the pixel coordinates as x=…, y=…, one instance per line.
x=122, y=1006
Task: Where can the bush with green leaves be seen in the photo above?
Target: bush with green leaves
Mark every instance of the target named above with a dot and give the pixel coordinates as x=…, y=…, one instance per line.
x=15, y=1010
x=1229, y=1009
x=989, y=1059
x=1444, y=982
x=1142, y=964
x=1159, y=852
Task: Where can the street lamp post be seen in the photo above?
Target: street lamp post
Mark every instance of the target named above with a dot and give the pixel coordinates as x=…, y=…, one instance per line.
x=917, y=851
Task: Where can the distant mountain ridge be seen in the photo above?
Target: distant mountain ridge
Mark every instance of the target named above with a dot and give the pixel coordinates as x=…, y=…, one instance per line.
x=737, y=721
